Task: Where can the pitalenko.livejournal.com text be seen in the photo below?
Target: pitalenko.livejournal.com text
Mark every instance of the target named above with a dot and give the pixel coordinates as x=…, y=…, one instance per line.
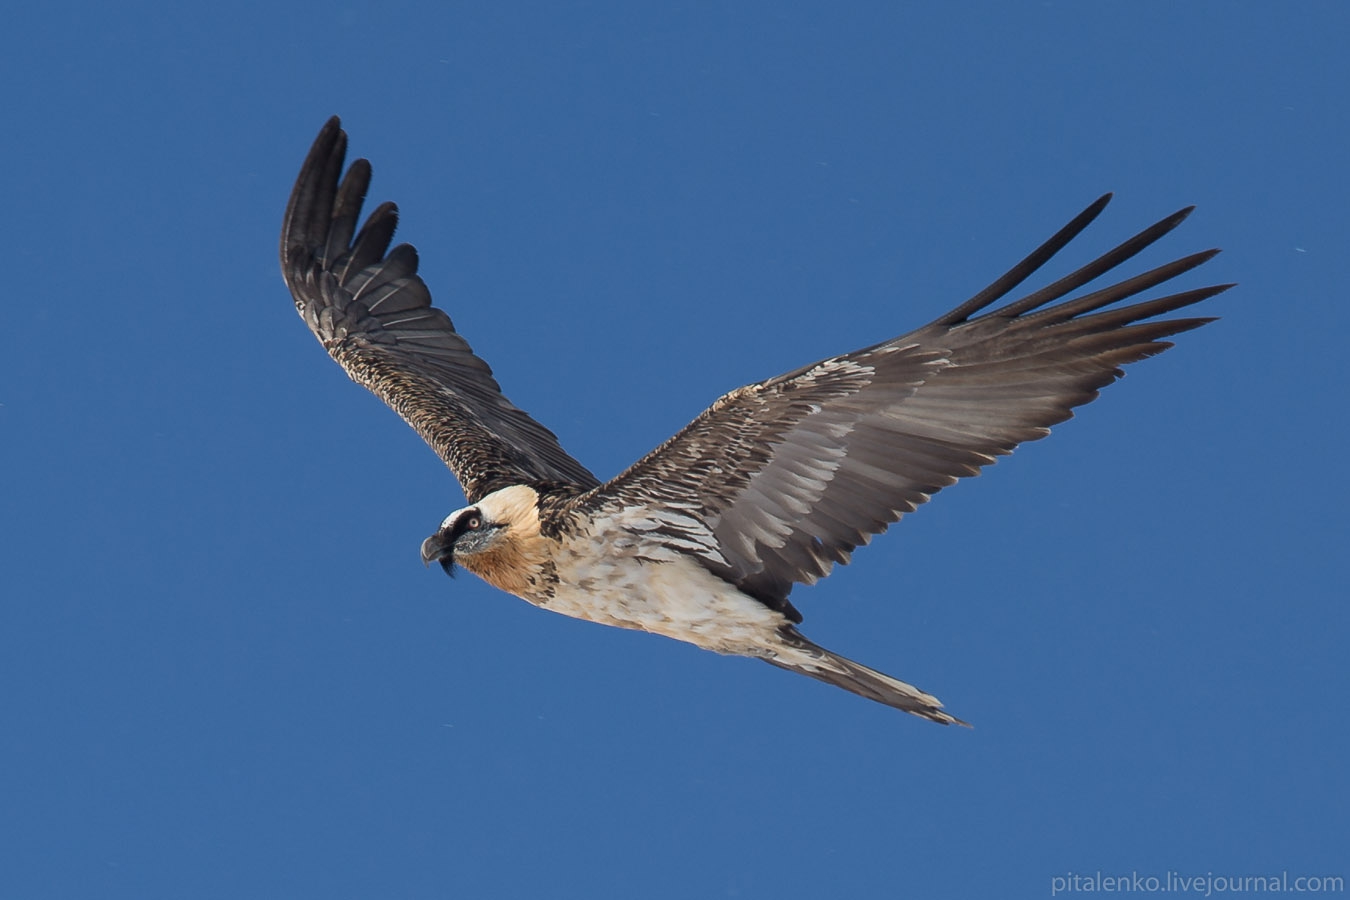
x=1207, y=884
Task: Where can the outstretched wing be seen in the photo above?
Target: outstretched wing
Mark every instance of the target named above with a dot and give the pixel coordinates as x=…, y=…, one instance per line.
x=373, y=314
x=778, y=481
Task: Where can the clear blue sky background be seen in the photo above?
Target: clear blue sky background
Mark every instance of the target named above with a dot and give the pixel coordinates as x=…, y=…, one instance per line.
x=224, y=672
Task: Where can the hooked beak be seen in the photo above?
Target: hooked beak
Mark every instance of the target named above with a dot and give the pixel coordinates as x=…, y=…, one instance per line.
x=439, y=548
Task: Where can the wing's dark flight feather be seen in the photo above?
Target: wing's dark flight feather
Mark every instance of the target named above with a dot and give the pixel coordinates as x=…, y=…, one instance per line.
x=1100, y=266
x=1024, y=269
x=791, y=475
x=372, y=312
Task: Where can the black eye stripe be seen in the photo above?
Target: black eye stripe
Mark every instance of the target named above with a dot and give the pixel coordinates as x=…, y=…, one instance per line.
x=462, y=523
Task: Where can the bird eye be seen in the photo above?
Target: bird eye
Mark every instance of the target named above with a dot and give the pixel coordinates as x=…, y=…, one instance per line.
x=473, y=522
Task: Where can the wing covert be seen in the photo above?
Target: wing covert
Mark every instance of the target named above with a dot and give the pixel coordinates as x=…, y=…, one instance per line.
x=372, y=312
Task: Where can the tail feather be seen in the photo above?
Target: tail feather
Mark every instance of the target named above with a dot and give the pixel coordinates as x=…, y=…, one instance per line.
x=797, y=654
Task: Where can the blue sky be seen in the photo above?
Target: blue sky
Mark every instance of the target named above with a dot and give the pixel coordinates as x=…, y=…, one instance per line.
x=223, y=671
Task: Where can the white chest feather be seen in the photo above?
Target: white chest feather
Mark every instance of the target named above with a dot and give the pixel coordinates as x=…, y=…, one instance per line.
x=608, y=575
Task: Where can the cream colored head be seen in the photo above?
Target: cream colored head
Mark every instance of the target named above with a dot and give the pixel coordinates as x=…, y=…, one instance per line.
x=515, y=506
x=497, y=539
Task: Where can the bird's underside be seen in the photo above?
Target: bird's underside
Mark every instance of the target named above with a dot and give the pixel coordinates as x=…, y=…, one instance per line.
x=703, y=539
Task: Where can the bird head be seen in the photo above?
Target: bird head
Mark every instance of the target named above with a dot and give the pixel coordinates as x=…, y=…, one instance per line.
x=464, y=533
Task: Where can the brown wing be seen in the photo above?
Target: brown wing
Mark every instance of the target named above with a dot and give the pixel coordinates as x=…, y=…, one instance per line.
x=373, y=314
x=778, y=481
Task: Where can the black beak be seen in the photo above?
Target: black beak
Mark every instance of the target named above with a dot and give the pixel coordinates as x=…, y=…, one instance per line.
x=439, y=548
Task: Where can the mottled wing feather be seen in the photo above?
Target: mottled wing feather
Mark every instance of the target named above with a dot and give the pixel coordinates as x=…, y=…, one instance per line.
x=372, y=312
x=779, y=481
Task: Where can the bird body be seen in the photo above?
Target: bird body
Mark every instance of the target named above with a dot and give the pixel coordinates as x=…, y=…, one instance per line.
x=612, y=569
x=703, y=539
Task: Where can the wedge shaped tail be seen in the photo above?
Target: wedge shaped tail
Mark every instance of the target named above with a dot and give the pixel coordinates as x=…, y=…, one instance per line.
x=797, y=654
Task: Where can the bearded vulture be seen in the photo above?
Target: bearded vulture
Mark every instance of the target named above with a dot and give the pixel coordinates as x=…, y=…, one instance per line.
x=703, y=538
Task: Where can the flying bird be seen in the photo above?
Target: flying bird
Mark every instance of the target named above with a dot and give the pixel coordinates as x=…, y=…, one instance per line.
x=703, y=539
